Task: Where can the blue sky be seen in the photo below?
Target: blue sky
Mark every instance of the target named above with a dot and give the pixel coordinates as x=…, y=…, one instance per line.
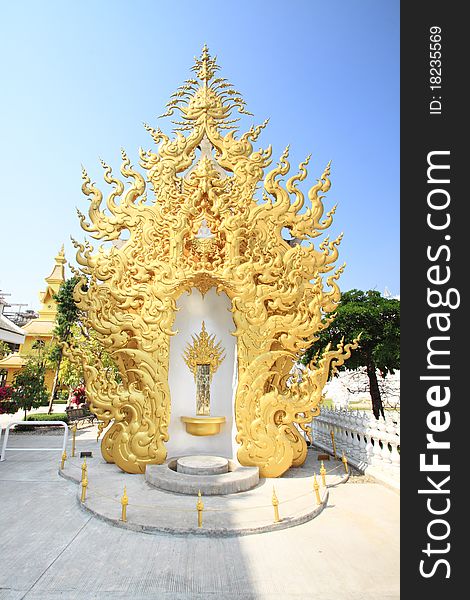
x=80, y=77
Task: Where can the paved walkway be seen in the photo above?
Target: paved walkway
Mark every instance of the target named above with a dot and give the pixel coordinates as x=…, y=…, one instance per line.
x=50, y=548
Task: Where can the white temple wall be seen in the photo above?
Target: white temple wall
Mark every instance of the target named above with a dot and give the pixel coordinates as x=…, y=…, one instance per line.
x=214, y=310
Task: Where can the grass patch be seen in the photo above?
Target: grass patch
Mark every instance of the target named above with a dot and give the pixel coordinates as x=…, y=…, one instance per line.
x=42, y=417
x=48, y=417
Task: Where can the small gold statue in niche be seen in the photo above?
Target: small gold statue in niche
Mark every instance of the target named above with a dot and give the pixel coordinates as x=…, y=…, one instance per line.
x=203, y=358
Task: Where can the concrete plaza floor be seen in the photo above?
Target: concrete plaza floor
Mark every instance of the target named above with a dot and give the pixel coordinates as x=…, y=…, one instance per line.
x=51, y=548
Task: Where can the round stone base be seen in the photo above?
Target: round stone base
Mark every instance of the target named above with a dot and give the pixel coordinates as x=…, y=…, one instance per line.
x=167, y=477
x=202, y=465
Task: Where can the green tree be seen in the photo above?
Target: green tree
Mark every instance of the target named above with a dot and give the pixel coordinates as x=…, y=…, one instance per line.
x=40, y=347
x=70, y=373
x=71, y=332
x=5, y=349
x=377, y=320
x=67, y=315
x=29, y=389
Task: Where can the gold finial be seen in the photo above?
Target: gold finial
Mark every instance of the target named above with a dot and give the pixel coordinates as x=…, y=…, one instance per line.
x=323, y=473
x=124, y=503
x=199, y=508
x=74, y=434
x=205, y=66
x=84, y=487
x=275, y=503
x=316, y=488
x=206, y=101
x=345, y=463
x=333, y=443
x=60, y=258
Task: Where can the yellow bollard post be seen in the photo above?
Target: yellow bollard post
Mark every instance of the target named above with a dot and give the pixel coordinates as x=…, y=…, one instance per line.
x=275, y=502
x=345, y=463
x=84, y=469
x=323, y=473
x=74, y=433
x=333, y=443
x=64, y=458
x=124, y=503
x=316, y=488
x=84, y=487
x=199, y=508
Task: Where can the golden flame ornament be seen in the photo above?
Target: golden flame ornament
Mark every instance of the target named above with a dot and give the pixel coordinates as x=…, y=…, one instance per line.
x=203, y=358
x=207, y=176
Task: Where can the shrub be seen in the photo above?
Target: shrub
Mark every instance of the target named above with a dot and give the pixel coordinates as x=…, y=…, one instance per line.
x=48, y=417
x=7, y=405
x=62, y=397
x=78, y=396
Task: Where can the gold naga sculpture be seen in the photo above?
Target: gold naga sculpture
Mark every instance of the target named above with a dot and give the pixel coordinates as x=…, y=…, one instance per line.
x=128, y=292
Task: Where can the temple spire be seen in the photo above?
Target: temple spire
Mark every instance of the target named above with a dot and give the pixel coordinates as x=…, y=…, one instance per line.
x=207, y=101
x=58, y=272
x=206, y=66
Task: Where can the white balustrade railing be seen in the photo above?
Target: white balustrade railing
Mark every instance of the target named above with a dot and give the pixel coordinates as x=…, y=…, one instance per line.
x=365, y=440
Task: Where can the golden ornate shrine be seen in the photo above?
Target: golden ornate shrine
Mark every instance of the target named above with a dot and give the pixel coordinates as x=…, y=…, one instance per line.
x=275, y=286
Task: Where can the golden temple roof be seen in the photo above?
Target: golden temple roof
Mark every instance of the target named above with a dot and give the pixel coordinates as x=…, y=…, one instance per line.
x=39, y=327
x=12, y=361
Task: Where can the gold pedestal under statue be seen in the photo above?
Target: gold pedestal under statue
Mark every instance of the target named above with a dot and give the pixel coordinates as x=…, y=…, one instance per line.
x=203, y=425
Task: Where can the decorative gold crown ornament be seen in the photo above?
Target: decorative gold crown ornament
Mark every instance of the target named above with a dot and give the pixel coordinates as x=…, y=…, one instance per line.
x=203, y=358
x=203, y=351
x=275, y=285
